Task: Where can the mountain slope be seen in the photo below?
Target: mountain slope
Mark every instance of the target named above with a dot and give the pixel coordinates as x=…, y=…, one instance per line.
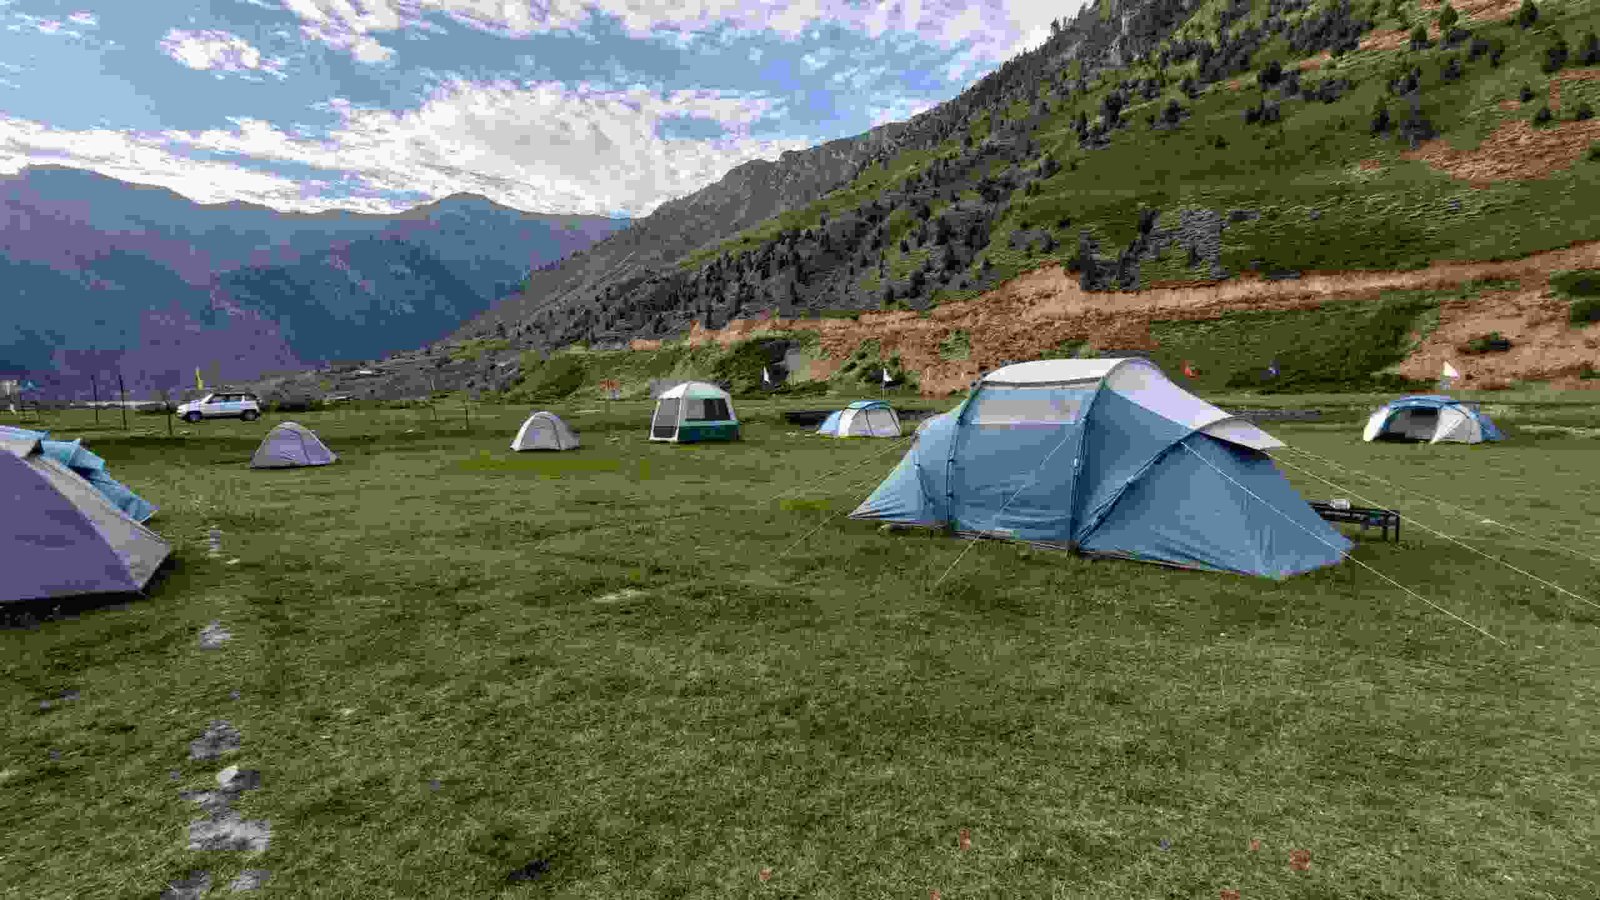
x=102, y=272
x=1149, y=143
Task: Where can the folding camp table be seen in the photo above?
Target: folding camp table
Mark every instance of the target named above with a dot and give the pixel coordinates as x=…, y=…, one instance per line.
x=1365, y=516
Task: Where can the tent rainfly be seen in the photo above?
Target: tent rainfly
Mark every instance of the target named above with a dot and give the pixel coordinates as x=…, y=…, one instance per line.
x=544, y=430
x=1431, y=418
x=694, y=411
x=1107, y=457
x=289, y=445
x=60, y=536
x=863, y=418
x=92, y=468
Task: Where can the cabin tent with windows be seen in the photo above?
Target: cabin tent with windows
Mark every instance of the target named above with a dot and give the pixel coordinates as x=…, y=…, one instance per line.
x=1430, y=418
x=544, y=430
x=863, y=418
x=90, y=467
x=1106, y=457
x=60, y=535
x=694, y=411
x=290, y=445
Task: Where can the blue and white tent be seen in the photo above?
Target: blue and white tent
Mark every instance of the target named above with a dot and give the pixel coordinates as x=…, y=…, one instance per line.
x=1431, y=418
x=863, y=418
x=1107, y=457
x=90, y=467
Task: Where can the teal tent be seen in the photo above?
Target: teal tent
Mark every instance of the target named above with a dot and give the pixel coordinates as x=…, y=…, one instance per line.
x=694, y=411
x=1107, y=457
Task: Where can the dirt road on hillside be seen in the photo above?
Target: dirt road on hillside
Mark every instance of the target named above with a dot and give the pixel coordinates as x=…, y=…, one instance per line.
x=1038, y=310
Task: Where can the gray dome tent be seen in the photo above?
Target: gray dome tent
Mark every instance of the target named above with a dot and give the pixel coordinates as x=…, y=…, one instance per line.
x=290, y=445
x=544, y=430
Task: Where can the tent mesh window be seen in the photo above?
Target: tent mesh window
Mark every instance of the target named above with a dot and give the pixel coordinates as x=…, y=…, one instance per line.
x=1413, y=424
x=666, y=422
x=1011, y=407
x=711, y=409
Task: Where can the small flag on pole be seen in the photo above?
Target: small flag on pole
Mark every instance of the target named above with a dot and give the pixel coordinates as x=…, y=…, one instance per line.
x=886, y=376
x=1450, y=371
x=1189, y=370
x=198, y=384
x=766, y=378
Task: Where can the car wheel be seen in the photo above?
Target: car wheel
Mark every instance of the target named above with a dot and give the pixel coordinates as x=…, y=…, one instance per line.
x=250, y=415
x=191, y=418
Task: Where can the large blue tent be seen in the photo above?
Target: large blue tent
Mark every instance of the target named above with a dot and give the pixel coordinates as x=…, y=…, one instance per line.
x=90, y=467
x=1431, y=418
x=1108, y=458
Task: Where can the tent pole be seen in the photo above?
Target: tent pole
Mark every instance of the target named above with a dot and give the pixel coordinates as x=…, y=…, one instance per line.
x=123, y=389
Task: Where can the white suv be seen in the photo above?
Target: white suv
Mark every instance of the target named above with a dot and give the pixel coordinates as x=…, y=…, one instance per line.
x=221, y=406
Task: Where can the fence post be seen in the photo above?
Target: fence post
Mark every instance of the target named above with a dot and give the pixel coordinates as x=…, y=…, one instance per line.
x=123, y=390
x=94, y=385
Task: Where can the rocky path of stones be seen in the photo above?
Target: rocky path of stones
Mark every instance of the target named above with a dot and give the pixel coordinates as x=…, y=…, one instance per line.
x=222, y=829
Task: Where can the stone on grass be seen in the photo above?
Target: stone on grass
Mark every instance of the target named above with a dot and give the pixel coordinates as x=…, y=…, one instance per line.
x=230, y=831
x=219, y=738
x=249, y=880
x=191, y=888
x=212, y=636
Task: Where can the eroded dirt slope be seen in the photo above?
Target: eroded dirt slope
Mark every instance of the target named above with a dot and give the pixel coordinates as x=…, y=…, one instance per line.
x=1037, y=311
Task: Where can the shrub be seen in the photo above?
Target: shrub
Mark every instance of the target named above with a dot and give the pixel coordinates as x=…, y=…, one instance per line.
x=1492, y=342
x=1528, y=14
x=1590, y=53
x=1448, y=17
x=1585, y=310
x=1555, y=55
x=1583, y=112
x=1380, y=118
x=1525, y=94
x=1419, y=38
x=1542, y=116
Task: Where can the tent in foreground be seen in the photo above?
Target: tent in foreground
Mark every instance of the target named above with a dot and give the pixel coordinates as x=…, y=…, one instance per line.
x=863, y=418
x=90, y=467
x=544, y=430
x=291, y=444
x=60, y=536
x=694, y=411
x=1431, y=418
x=1107, y=457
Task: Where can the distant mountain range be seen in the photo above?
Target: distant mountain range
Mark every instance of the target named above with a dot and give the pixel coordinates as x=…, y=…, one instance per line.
x=99, y=276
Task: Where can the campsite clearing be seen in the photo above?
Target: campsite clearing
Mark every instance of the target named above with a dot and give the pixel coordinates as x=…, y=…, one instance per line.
x=611, y=677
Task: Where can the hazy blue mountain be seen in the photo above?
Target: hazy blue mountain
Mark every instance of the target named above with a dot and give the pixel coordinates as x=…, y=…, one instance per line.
x=98, y=275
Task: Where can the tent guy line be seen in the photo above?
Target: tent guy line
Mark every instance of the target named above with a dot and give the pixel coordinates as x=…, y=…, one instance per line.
x=1346, y=554
x=842, y=469
x=1482, y=519
x=1553, y=586
x=852, y=489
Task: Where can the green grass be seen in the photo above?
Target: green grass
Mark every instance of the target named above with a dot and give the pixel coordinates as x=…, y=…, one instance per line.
x=619, y=670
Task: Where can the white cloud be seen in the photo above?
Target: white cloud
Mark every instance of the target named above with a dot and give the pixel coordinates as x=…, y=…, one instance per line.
x=538, y=146
x=86, y=19
x=996, y=28
x=143, y=160
x=217, y=51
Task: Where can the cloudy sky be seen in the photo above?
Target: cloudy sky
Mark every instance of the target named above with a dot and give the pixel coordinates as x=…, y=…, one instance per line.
x=604, y=107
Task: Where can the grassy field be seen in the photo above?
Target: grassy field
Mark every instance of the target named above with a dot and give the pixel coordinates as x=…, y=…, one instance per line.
x=452, y=661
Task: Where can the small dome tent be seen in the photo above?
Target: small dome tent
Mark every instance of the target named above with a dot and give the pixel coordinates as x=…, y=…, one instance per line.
x=289, y=445
x=694, y=411
x=1107, y=457
x=60, y=536
x=863, y=418
x=1430, y=418
x=544, y=430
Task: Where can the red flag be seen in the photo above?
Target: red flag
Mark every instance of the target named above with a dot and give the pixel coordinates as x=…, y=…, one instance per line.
x=1189, y=370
